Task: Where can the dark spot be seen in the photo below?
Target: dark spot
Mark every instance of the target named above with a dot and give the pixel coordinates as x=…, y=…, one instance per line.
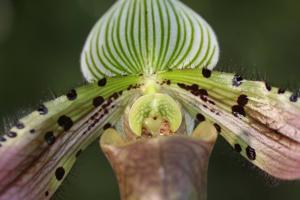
x=238, y=111
x=72, y=95
x=60, y=173
x=237, y=148
x=206, y=72
x=106, y=126
x=114, y=96
x=49, y=138
x=200, y=117
x=20, y=125
x=218, y=128
x=46, y=193
x=251, y=154
x=11, y=134
x=204, y=98
x=181, y=85
x=154, y=118
x=168, y=82
x=107, y=104
x=102, y=82
x=195, y=92
x=203, y=92
x=78, y=153
x=32, y=131
x=268, y=86
x=237, y=80
x=65, y=122
x=105, y=111
x=294, y=97
x=194, y=87
x=42, y=109
x=2, y=138
x=98, y=101
x=211, y=102
x=242, y=100
x=281, y=91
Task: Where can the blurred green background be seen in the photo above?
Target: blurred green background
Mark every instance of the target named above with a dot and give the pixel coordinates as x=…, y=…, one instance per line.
x=40, y=44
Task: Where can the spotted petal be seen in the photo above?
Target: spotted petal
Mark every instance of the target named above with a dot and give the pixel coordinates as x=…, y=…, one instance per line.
x=146, y=36
x=37, y=154
x=260, y=122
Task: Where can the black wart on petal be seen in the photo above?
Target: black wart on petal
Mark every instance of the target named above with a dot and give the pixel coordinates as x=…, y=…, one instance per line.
x=237, y=80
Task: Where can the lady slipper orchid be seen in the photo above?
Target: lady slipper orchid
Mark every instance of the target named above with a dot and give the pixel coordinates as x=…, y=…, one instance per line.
x=154, y=99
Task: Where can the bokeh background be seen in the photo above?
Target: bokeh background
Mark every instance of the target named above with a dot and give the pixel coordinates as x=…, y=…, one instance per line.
x=40, y=44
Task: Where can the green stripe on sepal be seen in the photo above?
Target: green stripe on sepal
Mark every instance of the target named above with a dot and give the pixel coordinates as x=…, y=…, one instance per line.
x=146, y=36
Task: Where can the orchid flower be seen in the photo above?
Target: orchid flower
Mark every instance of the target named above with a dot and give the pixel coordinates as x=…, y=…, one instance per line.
x=154, y=99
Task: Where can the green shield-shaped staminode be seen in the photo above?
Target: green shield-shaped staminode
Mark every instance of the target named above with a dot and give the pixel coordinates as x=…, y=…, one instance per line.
x=153, y=111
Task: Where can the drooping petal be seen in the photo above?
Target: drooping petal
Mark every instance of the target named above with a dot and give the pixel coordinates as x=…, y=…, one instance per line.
x=37, y=154
x=146, y=36
x=260, y=122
